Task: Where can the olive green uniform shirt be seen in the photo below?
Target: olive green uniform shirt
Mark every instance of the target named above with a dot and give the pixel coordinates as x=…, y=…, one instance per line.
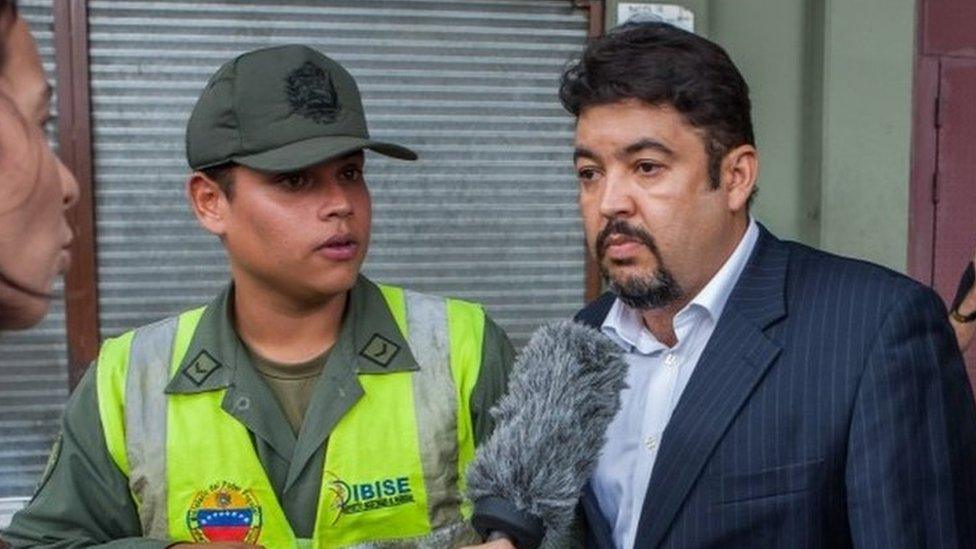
x=293, y=385
x=84, y=499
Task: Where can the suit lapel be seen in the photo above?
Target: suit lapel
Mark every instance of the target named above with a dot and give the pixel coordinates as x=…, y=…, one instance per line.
x=734, y=361
x=598, y=532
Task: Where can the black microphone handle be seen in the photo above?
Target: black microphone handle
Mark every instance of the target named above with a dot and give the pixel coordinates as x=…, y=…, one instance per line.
x=494, y=514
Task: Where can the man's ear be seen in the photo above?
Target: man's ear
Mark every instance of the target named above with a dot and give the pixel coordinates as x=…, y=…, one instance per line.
x=740, y=168
x=208, y=202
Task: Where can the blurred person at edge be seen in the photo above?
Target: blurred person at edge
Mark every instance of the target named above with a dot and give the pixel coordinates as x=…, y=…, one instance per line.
x=962, y=315
x=36, y=189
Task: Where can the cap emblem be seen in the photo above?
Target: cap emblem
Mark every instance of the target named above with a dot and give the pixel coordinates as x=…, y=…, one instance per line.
x=311, y=93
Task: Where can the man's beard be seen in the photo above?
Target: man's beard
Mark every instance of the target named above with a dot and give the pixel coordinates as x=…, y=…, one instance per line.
x=643, y=291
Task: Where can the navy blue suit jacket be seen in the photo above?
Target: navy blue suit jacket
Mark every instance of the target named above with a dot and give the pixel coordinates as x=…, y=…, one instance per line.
x=830, y=408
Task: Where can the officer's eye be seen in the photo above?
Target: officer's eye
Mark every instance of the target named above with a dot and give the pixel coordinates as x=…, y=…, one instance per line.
x=294, y=181
x=351, y=173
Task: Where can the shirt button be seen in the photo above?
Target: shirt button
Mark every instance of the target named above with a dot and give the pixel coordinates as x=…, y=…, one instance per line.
x=671, y=360
x=650, y=443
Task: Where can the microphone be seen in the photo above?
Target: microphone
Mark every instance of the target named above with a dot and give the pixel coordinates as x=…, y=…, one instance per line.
x=563, y=392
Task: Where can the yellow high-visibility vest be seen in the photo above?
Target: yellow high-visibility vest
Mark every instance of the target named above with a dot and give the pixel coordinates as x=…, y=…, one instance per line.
x=393, y=469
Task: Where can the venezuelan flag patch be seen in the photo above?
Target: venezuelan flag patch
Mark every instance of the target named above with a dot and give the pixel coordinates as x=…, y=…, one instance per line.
x=224, y=512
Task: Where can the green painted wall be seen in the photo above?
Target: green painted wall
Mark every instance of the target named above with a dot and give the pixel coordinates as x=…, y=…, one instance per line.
x=867, y=128
x=831, y=91
x=768, y=41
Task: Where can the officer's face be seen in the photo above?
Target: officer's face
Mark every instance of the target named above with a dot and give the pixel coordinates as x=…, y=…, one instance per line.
x=652, y=218
x=36, y=189
x=303, y=234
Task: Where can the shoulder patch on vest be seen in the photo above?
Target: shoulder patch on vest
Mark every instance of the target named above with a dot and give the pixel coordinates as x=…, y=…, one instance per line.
x=200, y=369
x=380, y=350
x=225, y=512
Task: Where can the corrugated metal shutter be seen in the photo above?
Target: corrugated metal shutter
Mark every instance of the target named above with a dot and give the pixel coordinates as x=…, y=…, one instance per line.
x=489, y=212
x=33, y=372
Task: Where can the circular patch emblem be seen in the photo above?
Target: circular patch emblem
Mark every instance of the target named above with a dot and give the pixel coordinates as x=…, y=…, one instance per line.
x=224, y=512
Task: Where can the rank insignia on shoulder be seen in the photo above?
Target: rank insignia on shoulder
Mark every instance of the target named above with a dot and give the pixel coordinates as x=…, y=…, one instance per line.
x=380, y=350
x=200, y=368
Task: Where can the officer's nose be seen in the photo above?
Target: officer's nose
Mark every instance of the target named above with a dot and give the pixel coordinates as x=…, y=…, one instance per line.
x=334, y=202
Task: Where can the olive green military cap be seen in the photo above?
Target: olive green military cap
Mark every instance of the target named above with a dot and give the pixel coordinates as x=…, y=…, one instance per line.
x=280, y=109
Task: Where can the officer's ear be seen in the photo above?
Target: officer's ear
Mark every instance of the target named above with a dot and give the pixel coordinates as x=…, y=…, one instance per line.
x=208, y=201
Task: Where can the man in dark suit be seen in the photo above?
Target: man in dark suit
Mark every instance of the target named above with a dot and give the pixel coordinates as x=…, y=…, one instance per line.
x=779, y=396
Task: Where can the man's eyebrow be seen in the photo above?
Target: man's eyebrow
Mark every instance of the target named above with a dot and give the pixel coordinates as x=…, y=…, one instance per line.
x=637, y=146
x=583, y=152
x=647, y=143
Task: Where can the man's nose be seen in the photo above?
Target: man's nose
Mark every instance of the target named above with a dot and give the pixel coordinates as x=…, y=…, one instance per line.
x=616, y=200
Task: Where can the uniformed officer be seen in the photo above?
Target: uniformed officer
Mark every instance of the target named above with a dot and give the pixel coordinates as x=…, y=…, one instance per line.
x=305, y=405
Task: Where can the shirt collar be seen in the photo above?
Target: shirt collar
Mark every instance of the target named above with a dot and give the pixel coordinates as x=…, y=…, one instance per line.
x=368, y=329
x=214, y=350
x=379, y=344
x=713, y=297
x=624, y=325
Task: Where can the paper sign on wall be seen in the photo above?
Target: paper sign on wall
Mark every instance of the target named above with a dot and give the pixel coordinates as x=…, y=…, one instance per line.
x=679, y=16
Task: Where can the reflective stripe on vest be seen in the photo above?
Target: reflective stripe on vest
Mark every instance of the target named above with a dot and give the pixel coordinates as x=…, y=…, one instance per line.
x=394, y=463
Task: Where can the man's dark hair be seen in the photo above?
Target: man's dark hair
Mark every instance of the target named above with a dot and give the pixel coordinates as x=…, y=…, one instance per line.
x=661, y=64
x=8, y=13
x=222, y=175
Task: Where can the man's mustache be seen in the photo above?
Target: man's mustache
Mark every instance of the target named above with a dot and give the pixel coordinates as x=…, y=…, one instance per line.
x=622, y=228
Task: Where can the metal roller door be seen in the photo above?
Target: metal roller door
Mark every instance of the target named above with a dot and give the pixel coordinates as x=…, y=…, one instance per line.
x=489, y=212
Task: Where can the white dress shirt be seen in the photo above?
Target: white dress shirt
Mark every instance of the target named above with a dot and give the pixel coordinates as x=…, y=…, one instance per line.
x=655, y=380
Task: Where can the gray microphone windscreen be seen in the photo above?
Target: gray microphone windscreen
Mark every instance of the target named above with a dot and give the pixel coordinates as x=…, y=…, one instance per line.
x=563, y=392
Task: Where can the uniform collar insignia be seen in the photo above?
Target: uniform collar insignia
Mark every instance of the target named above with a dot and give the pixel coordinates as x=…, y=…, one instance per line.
x=380, y=350
x=201, y=367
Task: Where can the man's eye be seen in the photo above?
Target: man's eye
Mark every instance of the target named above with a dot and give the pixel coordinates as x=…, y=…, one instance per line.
x=586, y=174
x=648, y=168
x=294, y=181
